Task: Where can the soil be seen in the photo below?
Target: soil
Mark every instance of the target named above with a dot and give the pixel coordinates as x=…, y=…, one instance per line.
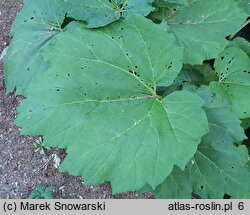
x=21, y=169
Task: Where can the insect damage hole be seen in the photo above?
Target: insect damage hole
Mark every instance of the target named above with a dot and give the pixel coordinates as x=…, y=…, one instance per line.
x=160, y=90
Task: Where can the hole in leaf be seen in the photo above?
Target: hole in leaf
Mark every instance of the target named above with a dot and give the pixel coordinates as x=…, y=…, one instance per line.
x=160, y=90
x=137, y=74
x=66, y=21
x=226, y=196
x=120, y=6
x=246, y=142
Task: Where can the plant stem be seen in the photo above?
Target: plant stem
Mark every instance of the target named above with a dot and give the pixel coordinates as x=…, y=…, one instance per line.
x=243, y=26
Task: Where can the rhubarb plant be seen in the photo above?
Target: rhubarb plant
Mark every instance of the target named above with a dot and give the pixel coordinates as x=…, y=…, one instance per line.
x=147, y=95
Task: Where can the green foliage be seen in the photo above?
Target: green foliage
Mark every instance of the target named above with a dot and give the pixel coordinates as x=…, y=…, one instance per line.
x=233, y=69
x=130, y=102
x=42, y=192
x=39, y=148
x=130, y=98
x=36, y=25
x=242, y=44
x=245, y=5
x=99, y=13
x=218, y=166
x=201, y=28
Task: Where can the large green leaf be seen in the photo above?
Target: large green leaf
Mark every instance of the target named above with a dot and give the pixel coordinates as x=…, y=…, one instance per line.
x=214, y=171
x=233, y=69
x=217, y=167
x=175, y=186
x=201, y=27
x=34, y=27
x=224, y=125
x=101, y=104
x=245, y=5
x=242, y=44
x=99, y=13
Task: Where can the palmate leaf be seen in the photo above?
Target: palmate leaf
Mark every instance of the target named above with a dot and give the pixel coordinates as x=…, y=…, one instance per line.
x=219, y=170
x=39, y=21
x=101, y=104
x=99, y=13
x=34, y=27
x=201, y=27
x=224, y=125
x=217, y=167
x=214, y=171
x=233, y=69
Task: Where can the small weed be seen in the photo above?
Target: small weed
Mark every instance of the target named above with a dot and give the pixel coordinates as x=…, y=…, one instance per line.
x=42, y=192
x=39, y=148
